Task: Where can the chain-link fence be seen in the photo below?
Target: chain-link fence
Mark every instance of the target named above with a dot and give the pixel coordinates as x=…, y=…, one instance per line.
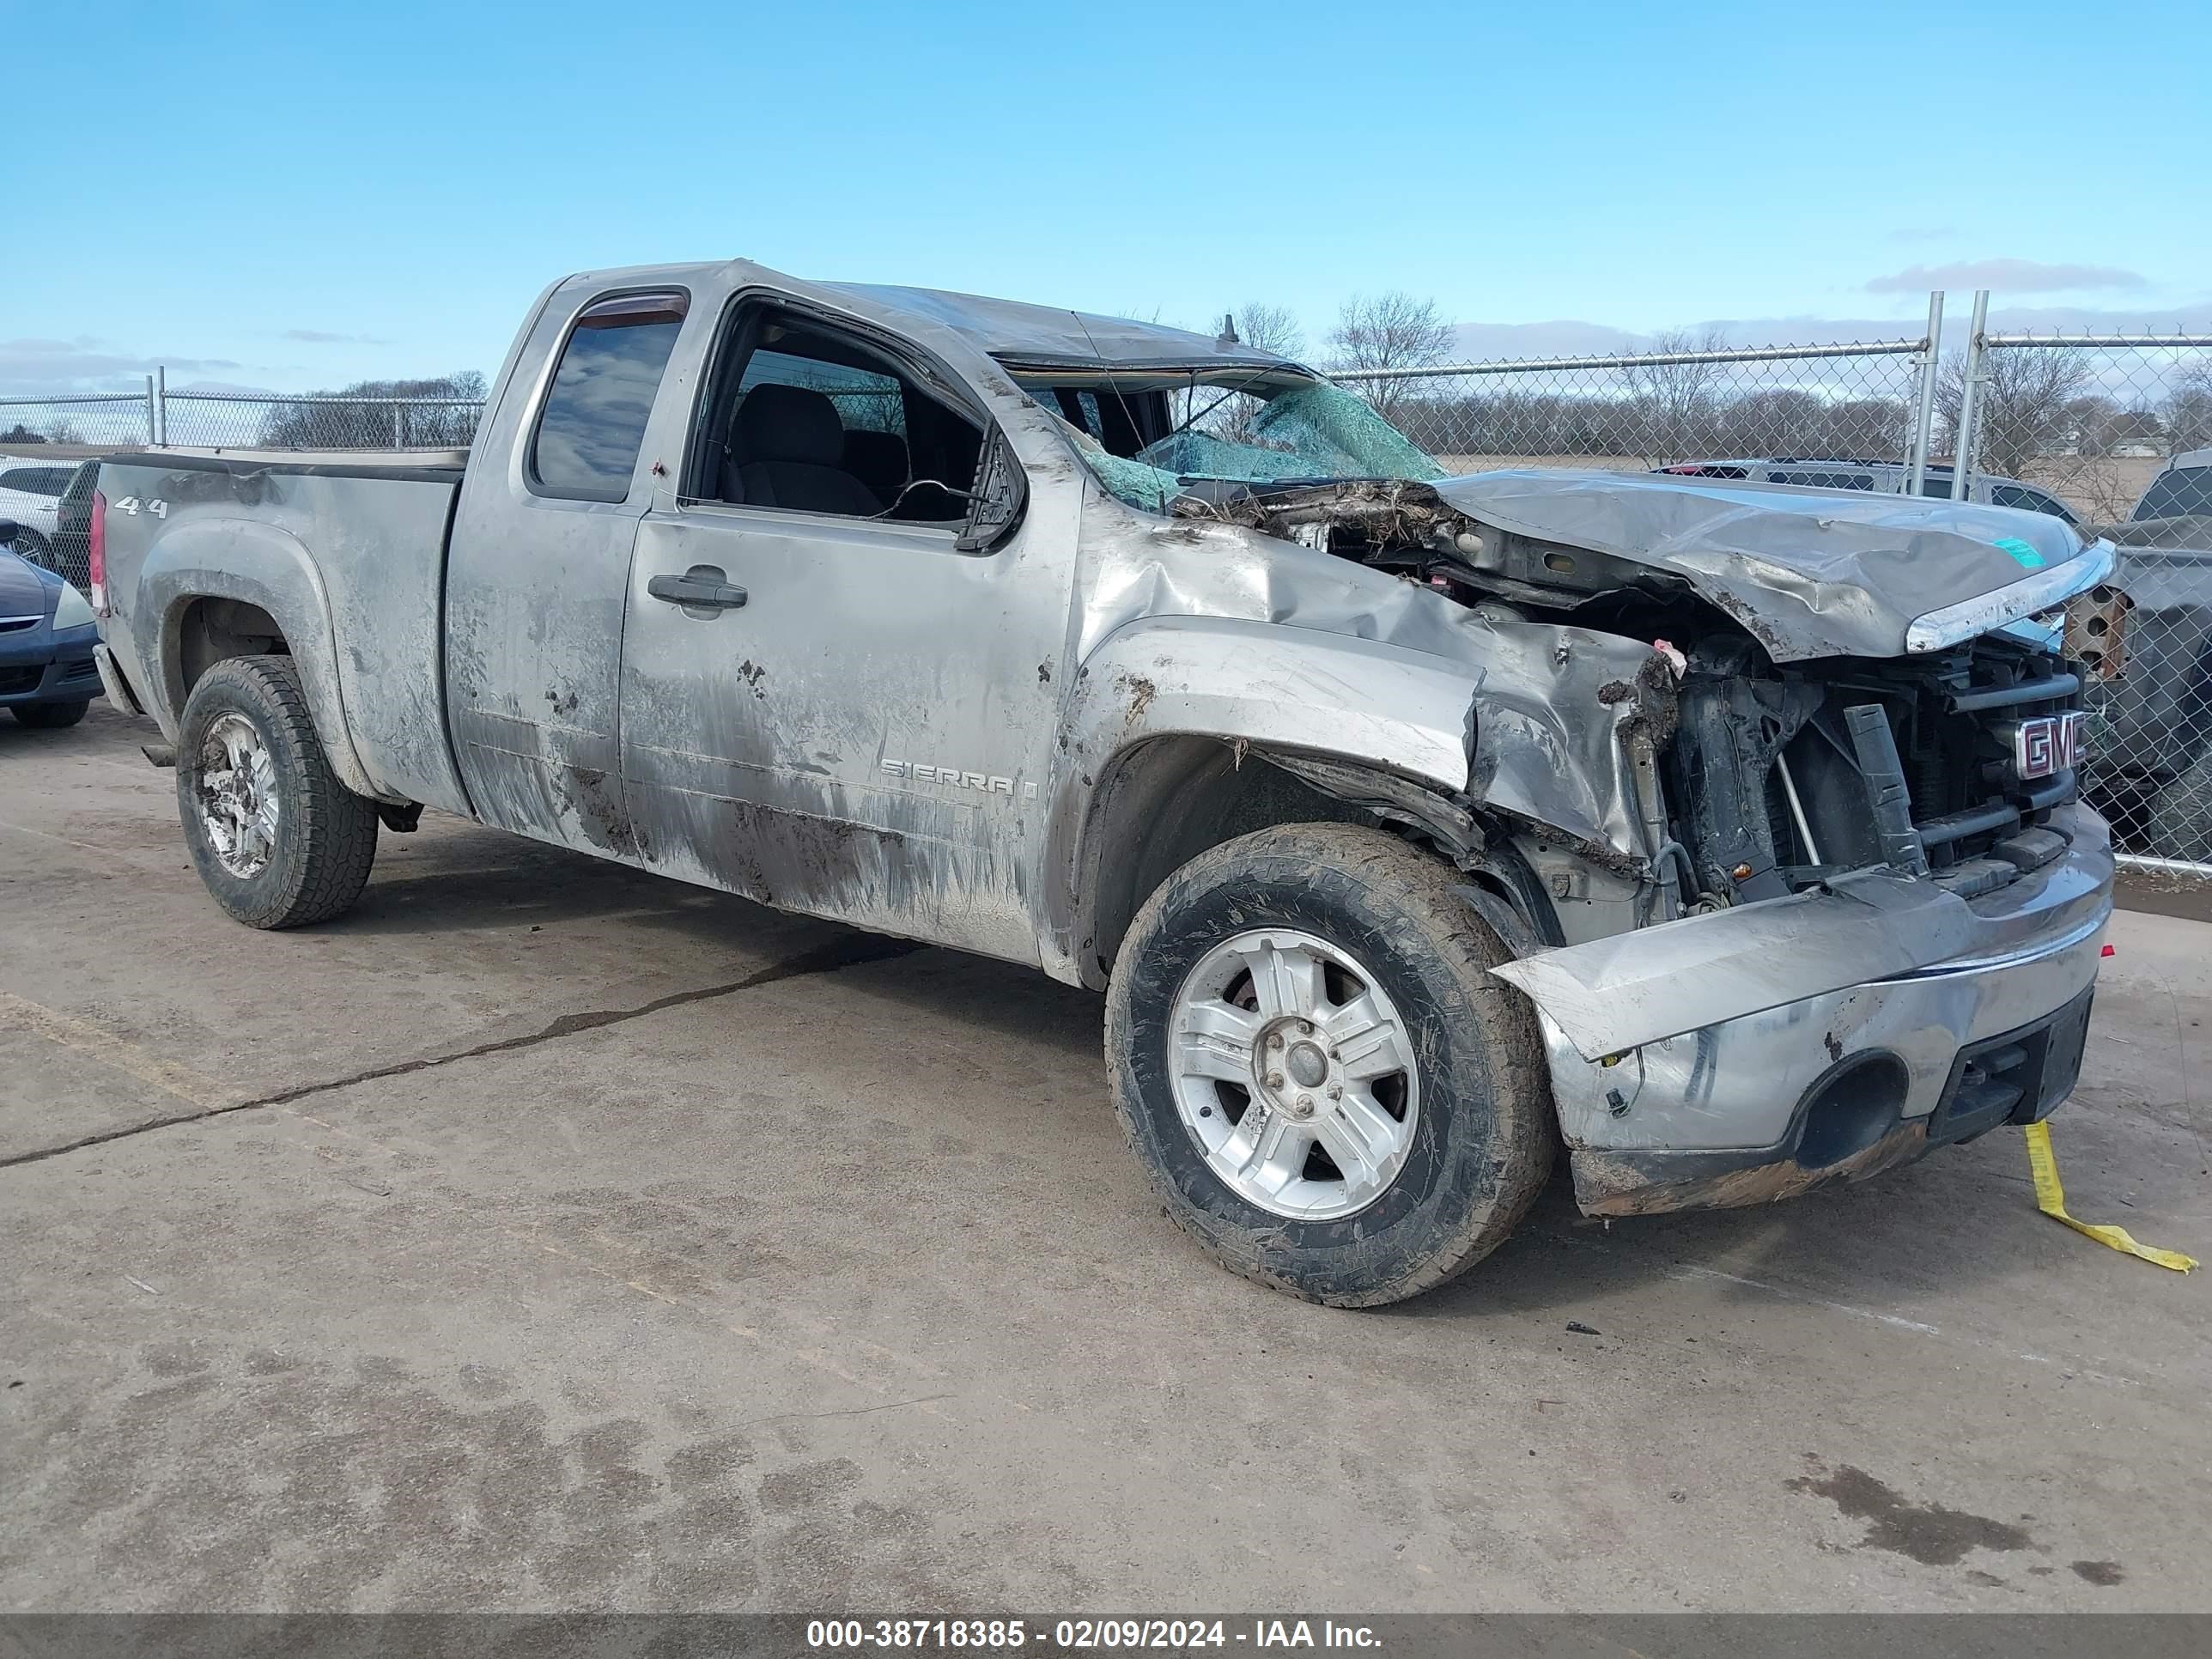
x=1635, y=411
x=209, y=420
x=2111, y=431
x=2120, y=426
x=203, y=420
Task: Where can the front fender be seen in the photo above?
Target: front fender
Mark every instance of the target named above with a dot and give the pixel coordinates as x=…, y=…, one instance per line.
x=258, y=564
x=1279, y=690
x=1279, y=687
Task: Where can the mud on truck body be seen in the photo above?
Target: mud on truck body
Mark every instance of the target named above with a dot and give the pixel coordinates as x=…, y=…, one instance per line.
x=1415, y=827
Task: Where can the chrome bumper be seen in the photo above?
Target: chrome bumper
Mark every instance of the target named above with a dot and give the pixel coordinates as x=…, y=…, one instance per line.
x=1779, y=1096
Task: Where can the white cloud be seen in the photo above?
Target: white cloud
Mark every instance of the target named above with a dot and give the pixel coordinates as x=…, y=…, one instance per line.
x=2009, y=275
x=58, y=367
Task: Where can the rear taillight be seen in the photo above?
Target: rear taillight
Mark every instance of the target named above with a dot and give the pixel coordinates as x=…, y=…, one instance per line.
x=96, y=554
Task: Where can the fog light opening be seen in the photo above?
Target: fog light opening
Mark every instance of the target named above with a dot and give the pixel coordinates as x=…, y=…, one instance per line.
x=1855, y=1105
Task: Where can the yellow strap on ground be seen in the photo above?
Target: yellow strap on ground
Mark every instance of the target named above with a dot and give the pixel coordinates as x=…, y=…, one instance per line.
x=2050, y=1199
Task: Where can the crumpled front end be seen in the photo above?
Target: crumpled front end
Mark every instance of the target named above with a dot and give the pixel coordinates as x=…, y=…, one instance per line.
x=1757, y=1052
x=1770, y=794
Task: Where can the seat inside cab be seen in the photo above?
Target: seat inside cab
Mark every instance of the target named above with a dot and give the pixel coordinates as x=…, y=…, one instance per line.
x=817, y=421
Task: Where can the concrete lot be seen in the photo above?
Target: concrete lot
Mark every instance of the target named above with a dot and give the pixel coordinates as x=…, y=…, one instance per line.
x=610, y=1243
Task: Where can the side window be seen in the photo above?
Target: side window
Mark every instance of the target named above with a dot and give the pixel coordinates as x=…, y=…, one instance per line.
x=823, y=422
x=592, y=425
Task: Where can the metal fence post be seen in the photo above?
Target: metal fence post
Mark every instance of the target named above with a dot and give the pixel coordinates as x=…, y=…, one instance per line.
x=161, y=403
x=152, y=439
x=1970, y=401
x=399, y=426
x=1923, y=423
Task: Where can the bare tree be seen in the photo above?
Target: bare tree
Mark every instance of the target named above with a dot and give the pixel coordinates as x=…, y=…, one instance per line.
x=1232, y=416
x=1390, y=331
x=2189, y=410
x=1270, y=328
x=2023, y=405
x=373, y=424
x=1677, y=404
x=2091, y=421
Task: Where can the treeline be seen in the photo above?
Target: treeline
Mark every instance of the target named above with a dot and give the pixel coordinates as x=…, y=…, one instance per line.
x=398, y=422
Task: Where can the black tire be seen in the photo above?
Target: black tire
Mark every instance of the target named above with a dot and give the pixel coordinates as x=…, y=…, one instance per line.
x=49, y=716
x=325, y=836
x=1484, y=1136
x=2181, y=816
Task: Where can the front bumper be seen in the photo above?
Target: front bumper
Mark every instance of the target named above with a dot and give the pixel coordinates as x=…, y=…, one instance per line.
x=1782, y=1097
x=48, y=666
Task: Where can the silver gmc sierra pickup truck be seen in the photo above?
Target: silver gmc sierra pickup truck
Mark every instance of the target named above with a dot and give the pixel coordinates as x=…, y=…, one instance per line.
x=1724, y=833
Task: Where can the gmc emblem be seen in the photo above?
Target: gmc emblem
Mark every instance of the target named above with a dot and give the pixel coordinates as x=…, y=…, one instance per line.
x=2047, y=744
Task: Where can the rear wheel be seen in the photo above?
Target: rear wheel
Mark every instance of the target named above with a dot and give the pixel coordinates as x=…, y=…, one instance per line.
x=279, y=841
x=1309, y=1055
x=50, y=715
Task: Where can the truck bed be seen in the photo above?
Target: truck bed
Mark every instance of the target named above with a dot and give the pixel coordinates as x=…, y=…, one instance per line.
x=358, y=537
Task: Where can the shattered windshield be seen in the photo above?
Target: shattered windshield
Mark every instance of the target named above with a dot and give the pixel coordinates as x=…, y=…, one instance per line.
x=1298, y=430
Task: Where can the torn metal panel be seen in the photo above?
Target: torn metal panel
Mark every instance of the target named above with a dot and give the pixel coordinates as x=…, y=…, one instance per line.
x=1810, y=573
x=1726, y=1116
x=1547, y=704
x=1611, y=995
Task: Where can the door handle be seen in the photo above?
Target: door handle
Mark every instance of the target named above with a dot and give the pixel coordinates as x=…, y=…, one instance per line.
x=703, y=586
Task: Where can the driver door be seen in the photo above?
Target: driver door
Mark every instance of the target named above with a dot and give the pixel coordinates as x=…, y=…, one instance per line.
x=827, y=705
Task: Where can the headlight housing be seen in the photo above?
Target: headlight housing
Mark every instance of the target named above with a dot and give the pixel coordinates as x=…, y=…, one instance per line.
x=71, y=609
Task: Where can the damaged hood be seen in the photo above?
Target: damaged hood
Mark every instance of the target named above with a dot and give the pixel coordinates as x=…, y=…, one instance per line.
x=1810, y=573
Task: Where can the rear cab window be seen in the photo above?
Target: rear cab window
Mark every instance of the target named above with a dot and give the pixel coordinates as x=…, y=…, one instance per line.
x=593, y=424
x=36, y=480
x=2180, y=493
x=2034, y=500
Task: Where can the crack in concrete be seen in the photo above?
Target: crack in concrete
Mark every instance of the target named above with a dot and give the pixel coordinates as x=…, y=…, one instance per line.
x=852, y=951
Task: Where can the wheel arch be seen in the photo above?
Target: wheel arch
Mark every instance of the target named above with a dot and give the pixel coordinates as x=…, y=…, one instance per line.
x=236, y=587
x=1181, y=733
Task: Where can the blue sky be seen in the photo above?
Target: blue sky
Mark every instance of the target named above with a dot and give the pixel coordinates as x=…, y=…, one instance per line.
x=294, y=196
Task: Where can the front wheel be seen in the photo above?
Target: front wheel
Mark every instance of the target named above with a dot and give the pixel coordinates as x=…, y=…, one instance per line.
x=1312, y=1061
x=279, y=841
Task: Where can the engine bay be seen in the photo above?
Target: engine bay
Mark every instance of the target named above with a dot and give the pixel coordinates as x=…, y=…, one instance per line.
x=1776, y=776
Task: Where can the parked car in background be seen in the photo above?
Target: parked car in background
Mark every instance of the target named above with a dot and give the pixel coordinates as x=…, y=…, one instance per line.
x=2183, y=490
x=71, y=554
x=1883, y=478
x=47, y=632
x=30, y=498
x=2154, y=767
